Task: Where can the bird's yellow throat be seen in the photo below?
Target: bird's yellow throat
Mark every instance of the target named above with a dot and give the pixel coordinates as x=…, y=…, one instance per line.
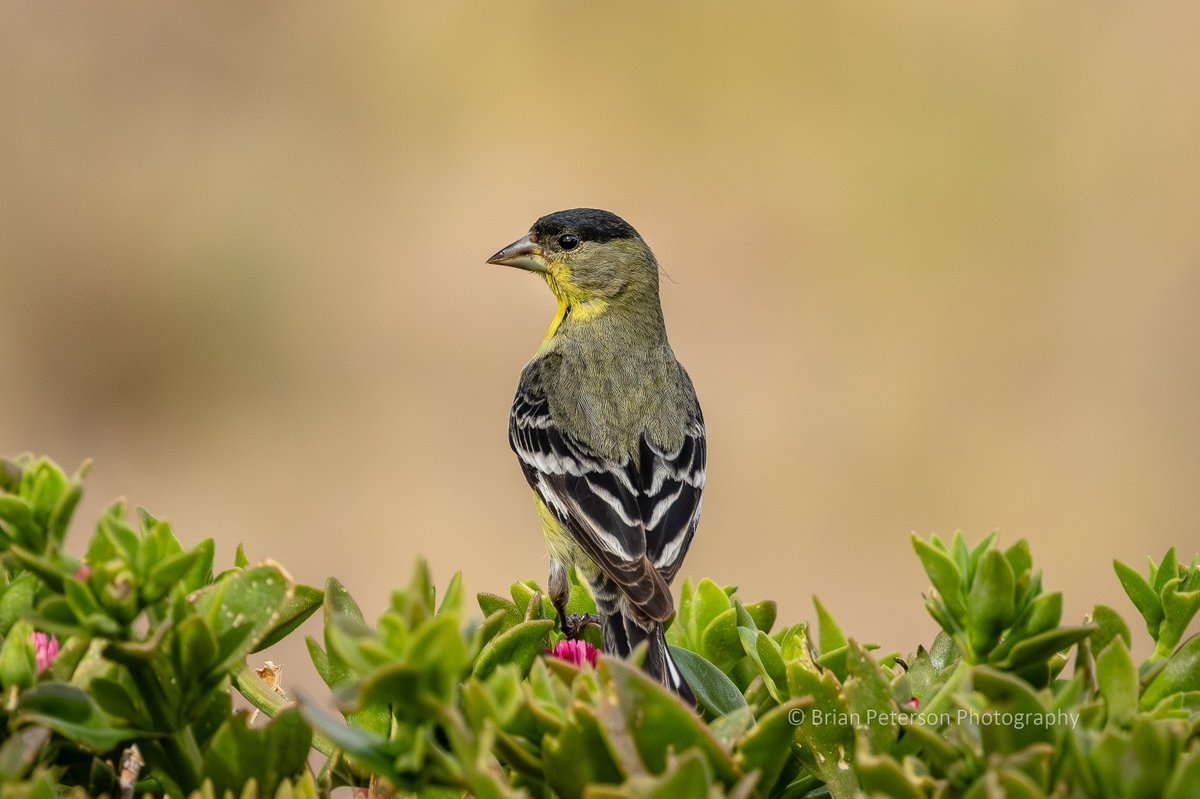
x=571, y=301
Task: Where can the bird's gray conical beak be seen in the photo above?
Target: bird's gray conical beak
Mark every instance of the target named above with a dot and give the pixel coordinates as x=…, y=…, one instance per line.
x=524, y=253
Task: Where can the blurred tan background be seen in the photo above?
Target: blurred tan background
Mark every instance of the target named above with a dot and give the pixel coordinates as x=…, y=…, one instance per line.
x=930, y=266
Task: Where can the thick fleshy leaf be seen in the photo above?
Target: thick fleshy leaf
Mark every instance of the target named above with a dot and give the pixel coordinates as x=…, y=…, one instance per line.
x=1164, y=572
x=708, y=602
x=72, y=714
x=580, y=755
x=720, y=642
x=18, y=658
x=763, y=613
x=452, y=600
x=1144, y=598
x=524, y=596
x=17, y=522
x=823, y=727
x=368, y=748
x=990, y=602
x=1109, y=626
x=944, y=574
x=298, y=606
x=1186, y=777
x=715, y=692
x=165, y=574
x=342, y=615
x=766, y=747
x=518, y=645
x=658, y=721
x=1008, y=694
x=269, y=754
x=50, y=572
x=1180, y=674
x=882, y=776
x=116, y=701
x=829, y=634
x=685, y=776
x=768, y=659
x=195, y=649
x=1117, y=681
x=580, y=602
x=1042, y=647
x=869, y=697
x=263, y=599
x=21, y=752
x=16, y=600
x=1179, y=608
x=490, y=603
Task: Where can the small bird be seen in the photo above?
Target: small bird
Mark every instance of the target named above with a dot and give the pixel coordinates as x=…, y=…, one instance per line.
x=608, y=431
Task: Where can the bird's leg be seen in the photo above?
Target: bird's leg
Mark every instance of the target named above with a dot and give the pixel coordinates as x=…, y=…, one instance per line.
x=572, y=624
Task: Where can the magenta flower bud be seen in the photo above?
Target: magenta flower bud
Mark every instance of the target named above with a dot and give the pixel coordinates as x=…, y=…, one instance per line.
x=575, y=652
x=46, y=647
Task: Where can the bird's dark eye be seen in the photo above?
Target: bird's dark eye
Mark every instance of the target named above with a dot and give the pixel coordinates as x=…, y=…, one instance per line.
x=568, y=241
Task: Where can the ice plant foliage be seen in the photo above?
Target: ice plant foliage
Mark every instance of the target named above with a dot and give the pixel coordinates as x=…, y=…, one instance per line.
x=134, y=657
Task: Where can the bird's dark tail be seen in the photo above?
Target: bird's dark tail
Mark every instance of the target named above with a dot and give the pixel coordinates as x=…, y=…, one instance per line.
x=658, y=663
x=661, y=666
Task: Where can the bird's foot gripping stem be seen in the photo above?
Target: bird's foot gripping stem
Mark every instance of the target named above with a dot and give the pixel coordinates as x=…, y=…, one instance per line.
x=573, y=624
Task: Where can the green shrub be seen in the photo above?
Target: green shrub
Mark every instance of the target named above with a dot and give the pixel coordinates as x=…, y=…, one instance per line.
x=439, y=700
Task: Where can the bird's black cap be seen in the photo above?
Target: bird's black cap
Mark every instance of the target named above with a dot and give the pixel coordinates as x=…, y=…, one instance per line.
x=589, y=224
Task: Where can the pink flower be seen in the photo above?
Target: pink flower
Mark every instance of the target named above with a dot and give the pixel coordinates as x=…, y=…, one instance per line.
x=575, y=652
x=913, y=704
x=46, y=647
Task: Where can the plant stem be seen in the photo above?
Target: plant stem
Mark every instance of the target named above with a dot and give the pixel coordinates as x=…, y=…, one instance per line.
x=185, y=754
x=256, y=692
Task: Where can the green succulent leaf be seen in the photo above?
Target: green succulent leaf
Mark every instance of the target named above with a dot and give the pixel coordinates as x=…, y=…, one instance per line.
x=945, y=575
x=518, y=645
x=767, y=657
x=1039, y=648
x=829, y=634
x=708, y=602
x=715, y=692
x=18, y=658
x=72, y=714
x=763, y=613
x=990, y=602
x=370, y=749
x=269, y=755
x=1117, y=681
x=16, y=600
x=1180, y=675
x=881, y=775
x=1185, y=778
x=720, y=642
x=581, y=755
x=868, y=696
x=658, y=721
x=766, y=747
x=1144, y=598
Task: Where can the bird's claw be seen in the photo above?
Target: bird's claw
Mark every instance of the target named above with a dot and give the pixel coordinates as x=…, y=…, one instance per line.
x=574, y=624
